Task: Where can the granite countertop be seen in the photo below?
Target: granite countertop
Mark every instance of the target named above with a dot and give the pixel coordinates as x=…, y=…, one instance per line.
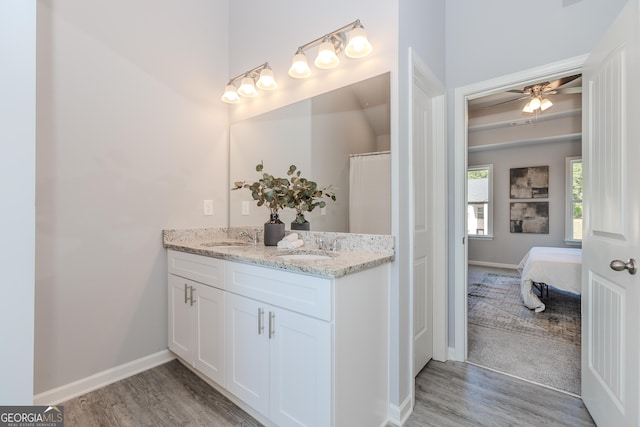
x=356, y=253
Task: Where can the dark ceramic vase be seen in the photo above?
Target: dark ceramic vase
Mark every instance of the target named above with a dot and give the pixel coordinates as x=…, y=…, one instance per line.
x=300, y=223
x=273, y=231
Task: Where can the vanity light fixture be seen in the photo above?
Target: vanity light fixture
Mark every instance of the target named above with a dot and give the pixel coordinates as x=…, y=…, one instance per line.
x=355, y=46
x=260, y=77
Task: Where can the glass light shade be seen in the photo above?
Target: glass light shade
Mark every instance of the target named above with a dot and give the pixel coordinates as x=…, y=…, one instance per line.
x=266, y=80
x=247, y=88
x=358, y=45
x=299, y=66
x=545, y=104
x=230, y=95
x=327, y=57
x=534, y=104
x=527, y=108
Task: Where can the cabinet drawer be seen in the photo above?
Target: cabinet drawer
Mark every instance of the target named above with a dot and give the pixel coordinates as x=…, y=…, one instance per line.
x=209, y=271
x=304, y=294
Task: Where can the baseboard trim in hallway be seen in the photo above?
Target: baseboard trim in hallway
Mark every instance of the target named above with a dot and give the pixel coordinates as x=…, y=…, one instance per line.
x=69, y=391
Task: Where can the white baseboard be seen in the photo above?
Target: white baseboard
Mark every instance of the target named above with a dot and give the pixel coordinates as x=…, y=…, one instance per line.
x=493, y=264
x=101, y=379
x=399, y=415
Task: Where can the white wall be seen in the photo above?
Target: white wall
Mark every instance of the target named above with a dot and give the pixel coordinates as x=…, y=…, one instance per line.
x=17, y=191
x=131, y=137
x=488, y=42
x=507, y=247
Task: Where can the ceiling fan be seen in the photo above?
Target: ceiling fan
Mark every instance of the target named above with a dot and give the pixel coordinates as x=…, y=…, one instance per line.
x=538, y=93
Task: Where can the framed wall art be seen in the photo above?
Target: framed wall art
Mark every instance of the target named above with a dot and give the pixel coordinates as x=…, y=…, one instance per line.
x=529, y=217
x=529, y=182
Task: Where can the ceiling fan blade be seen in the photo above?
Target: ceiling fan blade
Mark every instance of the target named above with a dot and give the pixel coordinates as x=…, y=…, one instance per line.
x=569, y=90
x=516, y=91
x=561, y=81
x=504, y=102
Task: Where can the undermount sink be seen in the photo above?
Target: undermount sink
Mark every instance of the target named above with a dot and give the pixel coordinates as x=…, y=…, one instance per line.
x=306, y=256
x=226, y=244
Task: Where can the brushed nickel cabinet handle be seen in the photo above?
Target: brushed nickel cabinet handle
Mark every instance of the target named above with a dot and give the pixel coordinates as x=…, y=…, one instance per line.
x=272, y=324
x=191, y=294
x=260, y=321
x=185, y=293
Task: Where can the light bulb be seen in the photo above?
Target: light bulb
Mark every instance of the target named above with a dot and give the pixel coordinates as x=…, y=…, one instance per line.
x=266, y=80
x=527, y=108
x=247, y=88
x=327, y=57
x=534, y=104
x=299, y=66
x=358, y=45
x=545, y=104
x=230, y=95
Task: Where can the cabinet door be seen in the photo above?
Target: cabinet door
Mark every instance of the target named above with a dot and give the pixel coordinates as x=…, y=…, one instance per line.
x=180, y=317
x=209, y=331
x=247, y=351
x=300, y=369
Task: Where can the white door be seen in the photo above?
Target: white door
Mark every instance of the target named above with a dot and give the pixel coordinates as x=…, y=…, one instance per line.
x=247, y=351
x=421, y=141
x=209, y=324
x=611, y=151
x=428, y=220
x=300, y=373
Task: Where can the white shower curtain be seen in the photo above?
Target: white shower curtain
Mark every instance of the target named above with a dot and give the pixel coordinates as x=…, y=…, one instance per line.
x=370, y=193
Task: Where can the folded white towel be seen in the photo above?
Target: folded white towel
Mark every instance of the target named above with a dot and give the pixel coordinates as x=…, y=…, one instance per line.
x=285, y=244
x=290, y=237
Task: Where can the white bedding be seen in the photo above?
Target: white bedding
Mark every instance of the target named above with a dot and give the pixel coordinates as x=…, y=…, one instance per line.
x=557, y=267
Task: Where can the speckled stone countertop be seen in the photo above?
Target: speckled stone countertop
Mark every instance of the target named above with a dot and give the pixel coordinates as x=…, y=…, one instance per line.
x=355, y=252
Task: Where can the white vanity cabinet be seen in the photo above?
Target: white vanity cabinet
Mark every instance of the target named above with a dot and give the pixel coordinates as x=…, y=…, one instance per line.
x=295, y=348
x=279, y=359
x=196, y=312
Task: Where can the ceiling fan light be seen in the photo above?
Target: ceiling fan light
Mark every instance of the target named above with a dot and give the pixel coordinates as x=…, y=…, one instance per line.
x=266, y=80
x=230, y=95
x=299, y=66
x=358, y=45
x=527, y=108
x=327, y=57
x=534, y=104
x=545, y=104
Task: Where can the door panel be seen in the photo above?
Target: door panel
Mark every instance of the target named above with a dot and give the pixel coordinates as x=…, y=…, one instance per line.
x=209, y=306
x=180, y=318
x=611, y=136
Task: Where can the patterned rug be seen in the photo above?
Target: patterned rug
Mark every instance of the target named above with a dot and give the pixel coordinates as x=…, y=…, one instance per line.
x=495, y=303
x=506, y=336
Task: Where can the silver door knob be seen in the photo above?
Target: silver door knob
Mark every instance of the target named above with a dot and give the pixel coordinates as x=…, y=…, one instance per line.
x=619, y=265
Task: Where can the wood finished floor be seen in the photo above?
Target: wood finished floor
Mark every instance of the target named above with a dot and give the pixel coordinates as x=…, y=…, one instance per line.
x=447, y=394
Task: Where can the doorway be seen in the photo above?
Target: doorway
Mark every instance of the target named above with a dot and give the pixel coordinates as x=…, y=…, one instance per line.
x=462, y=270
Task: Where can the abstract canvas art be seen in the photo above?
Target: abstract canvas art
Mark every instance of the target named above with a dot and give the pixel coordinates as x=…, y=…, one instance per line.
x=529, y=183
x=530, y=217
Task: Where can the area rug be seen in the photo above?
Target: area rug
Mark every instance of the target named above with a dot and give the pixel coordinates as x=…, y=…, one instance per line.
x=506, y=336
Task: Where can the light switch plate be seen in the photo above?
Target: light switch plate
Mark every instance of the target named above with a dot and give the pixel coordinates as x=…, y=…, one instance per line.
x=245, y=208
x=207, y=207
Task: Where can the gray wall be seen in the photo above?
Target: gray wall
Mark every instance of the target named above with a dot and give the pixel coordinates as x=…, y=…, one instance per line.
x=507, y=247
x=129, y=128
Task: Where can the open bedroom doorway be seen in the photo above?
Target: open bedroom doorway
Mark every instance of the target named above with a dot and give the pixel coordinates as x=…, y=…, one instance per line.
x=521, y=193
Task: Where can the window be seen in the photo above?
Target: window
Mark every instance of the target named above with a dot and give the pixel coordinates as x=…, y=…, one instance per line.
x=479, y=201
x=574, y=200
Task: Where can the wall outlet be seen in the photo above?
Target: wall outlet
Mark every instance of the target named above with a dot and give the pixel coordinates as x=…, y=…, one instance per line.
x=207, y=207
x=245, y=208
x=323, y=211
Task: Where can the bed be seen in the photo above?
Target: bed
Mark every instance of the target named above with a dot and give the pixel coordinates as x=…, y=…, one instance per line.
x=542, y=266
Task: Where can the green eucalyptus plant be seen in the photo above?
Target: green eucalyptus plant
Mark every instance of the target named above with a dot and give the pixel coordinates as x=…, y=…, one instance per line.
x=305, y=195
x=269, y=191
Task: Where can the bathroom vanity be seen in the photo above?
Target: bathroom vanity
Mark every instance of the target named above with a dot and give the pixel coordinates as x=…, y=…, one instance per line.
x=295, y=337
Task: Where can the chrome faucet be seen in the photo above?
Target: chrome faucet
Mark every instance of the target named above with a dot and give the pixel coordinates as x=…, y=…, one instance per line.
x=323, y=246
x=320, y=243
